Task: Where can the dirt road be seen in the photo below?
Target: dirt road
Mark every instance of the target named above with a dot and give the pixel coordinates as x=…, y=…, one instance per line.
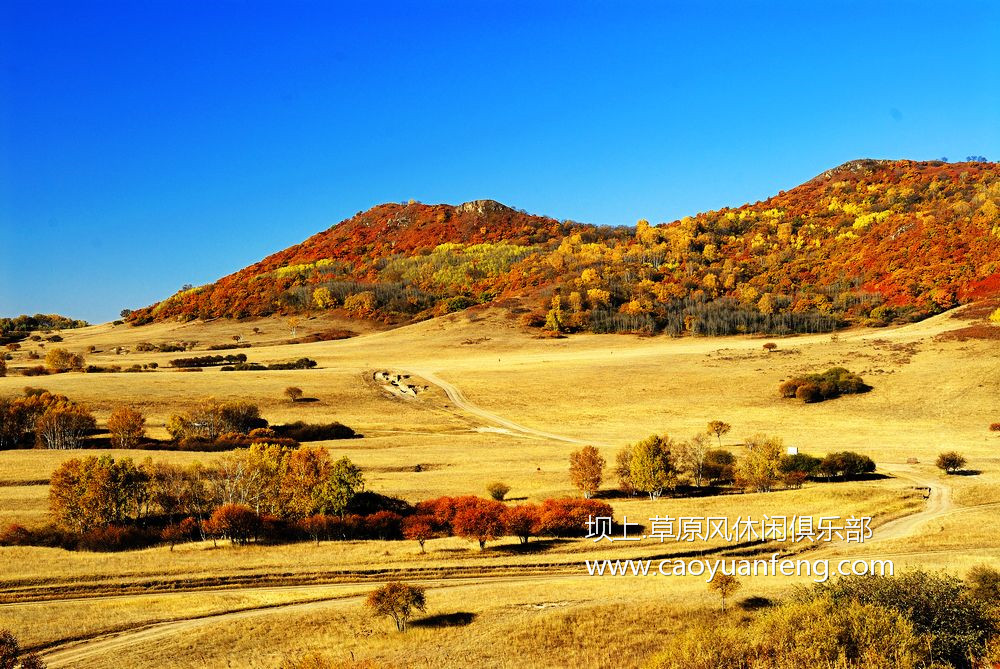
x=459, y=400
x=73, y=653
x=69, y=654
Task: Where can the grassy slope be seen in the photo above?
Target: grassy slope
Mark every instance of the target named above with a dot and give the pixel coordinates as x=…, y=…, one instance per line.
x=929, y=395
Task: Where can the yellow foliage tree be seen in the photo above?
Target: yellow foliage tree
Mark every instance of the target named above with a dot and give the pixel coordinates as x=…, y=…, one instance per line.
x=322, y=298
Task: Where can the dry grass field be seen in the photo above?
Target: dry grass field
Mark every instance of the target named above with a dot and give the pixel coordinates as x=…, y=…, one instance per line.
x=500, y=404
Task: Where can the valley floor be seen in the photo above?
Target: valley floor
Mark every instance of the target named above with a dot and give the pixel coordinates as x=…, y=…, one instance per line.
x=492, y=402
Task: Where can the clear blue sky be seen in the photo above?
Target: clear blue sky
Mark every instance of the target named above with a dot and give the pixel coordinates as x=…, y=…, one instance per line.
x=145, y=145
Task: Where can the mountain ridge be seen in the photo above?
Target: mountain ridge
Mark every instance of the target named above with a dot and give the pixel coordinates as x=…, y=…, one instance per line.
x=870, y=240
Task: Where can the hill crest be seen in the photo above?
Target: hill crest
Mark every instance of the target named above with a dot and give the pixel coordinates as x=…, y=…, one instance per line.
x=871, y=241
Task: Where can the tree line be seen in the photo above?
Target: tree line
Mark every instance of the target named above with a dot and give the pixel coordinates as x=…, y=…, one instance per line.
x=660, y=464
x=51, y=420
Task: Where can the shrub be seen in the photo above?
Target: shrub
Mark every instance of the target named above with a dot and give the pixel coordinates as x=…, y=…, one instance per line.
x=994, y=427
x=37, y=370
x=800, y=462
x=984, y=584
x=236, y=522
x=567, y=517
x=208, y=360
x=316, y=526
x=794, y=479
x=950, y=462
x=794, y=635
x=211, y=419
x=770, y=346
x=16, y=535
x=301, y=431
x=498, y=490
x=127, y=427
x=832, y=383
x=61, y=360
x=846, y=465
x=13, y=656
x=301, y=363
x=809, y=393
x=116, y=538
x=958, y=626
x=382, y=525
x=361, y=304
x=226, y=347
x=720, y=465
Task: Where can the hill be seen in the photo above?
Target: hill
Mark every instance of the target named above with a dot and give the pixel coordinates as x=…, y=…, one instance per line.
x=871, y=242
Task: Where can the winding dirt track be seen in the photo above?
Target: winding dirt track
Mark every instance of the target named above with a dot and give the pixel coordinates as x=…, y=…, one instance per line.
x=939, y=499
x=70, y=654
x=459, y=400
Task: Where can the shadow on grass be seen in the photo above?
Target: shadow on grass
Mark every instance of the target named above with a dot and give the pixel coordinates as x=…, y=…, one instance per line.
x=967, y=472
x=533, y=546
x=458, y=619
x=755, y=603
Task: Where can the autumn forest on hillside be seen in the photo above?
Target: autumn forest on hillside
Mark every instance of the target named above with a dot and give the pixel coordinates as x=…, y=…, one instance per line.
x=871, y=243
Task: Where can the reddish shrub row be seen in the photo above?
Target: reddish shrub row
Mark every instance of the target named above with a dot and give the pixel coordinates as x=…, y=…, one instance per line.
x=471, y=517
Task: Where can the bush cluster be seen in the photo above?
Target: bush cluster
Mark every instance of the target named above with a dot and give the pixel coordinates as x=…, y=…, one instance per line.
x=209, y=360
x=832, y=383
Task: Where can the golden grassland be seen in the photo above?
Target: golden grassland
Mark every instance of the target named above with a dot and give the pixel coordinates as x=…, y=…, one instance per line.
x=929, y=395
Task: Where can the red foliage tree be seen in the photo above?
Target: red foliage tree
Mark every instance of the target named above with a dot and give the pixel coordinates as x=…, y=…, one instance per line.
x=523, y=521
x=478, y=519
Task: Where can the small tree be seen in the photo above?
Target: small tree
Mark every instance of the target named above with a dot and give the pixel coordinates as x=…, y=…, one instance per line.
x=522, y=521
x=725, y=585
x=236, y=522
x=760, y=468
x=770, y=346
x=419, y=527
x=950, y=462
x=293, y=325
x=293, y=393
x=498, y=490
x=64, y=426
x=693, y=456
x=652, y=467
x=623, y=470
x=127, y=427
x=61, y=360
x=343, y=481
x=478, y=520
x=586, y=470
x=719, y=429
x=397, y=601
x=316, y=526
x=994, y=427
